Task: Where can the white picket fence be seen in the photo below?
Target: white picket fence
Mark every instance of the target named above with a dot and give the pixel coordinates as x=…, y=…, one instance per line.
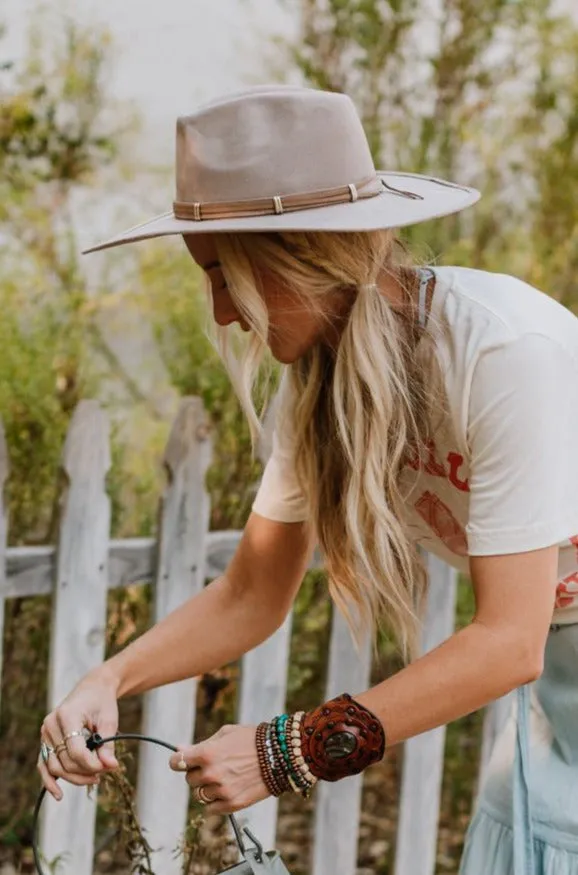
x=85, y=563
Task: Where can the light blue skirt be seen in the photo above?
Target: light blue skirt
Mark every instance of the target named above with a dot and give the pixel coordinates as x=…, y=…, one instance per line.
x=526, y=820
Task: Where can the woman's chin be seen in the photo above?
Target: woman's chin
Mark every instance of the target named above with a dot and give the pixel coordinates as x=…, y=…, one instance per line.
x=288, y=350
x=284, y=357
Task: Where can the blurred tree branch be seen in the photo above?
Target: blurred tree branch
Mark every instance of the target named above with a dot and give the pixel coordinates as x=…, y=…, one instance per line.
x=59, y=130
x=485, y=93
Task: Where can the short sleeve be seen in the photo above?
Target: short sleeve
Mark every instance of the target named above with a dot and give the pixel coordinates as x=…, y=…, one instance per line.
x=523, y=439
x=279, y=496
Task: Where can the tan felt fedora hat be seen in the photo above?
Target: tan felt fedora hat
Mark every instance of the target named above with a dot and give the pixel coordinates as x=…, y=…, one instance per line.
x=284, y=158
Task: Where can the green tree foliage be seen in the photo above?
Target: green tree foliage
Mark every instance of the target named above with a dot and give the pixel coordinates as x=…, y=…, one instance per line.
x=484, y=93
x=51, y=121
x=56, y=134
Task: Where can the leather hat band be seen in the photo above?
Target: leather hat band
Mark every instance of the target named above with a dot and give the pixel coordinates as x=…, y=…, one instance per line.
x=270, y=206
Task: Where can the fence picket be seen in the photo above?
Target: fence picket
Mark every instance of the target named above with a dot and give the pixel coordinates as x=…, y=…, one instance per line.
x=3, y=539
x=78, y=617
x=262, y=695
x=169, y=711
x=338, y=805
x=424, y=754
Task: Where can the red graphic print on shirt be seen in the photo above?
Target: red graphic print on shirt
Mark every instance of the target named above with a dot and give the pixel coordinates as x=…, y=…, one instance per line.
x=440, y=519
x=432, y=465
x=567, y=590
x=456, y=460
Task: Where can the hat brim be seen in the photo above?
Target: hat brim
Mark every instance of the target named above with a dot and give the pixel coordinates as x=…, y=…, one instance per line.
x=390, y=209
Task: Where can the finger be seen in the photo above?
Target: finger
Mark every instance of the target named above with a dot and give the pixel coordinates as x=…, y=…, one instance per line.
x=48, y=781
x=56, y=770
x=75, y=757
x=211, y=793
x=195, y=756
x=54, y=765
x=49, y=730
x=197, y=777
x=106, y=727
x=194, y=777
x=50, y=733
x=221, y=807
x=81, y=780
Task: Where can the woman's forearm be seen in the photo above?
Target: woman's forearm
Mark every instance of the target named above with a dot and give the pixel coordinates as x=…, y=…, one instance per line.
x=466, y=672
x=209, y=630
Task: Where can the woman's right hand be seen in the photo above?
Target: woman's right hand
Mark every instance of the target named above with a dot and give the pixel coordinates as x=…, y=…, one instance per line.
x=92, y=705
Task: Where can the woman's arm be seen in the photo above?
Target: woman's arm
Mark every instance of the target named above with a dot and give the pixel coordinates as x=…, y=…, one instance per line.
x=233, y=614
x=229, y=617
x=501, y=649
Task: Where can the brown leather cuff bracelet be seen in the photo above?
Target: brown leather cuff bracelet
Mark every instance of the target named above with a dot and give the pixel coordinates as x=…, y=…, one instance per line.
x=341, y=738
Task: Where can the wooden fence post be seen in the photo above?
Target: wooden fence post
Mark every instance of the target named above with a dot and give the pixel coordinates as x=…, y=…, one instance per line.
x=78, y=618
x=338, y=804
x=3, y=538
x=423, y=757
x=262, y=696
x=169, y=711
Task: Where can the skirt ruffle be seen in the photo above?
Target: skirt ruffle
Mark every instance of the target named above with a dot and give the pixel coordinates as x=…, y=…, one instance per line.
x=489, y=850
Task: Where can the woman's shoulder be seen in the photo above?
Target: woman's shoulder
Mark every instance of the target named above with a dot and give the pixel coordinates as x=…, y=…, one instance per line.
x=497, y=308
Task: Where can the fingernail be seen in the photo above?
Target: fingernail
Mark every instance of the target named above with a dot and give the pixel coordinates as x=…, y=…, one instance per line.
x=58, y=795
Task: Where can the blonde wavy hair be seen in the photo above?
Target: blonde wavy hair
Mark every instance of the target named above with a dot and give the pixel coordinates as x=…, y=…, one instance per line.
x=356, y=411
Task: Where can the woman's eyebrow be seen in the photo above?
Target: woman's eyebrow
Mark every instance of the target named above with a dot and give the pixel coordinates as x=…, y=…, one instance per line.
x=210, y=265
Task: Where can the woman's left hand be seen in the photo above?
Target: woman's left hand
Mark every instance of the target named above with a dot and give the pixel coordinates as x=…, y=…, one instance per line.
x=227, y=767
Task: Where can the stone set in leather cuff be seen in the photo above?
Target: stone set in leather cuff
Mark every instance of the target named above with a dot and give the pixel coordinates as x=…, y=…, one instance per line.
x=338, y=739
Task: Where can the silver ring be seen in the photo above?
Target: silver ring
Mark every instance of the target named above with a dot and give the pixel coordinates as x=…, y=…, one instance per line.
x=45, y=751
x=84, y=733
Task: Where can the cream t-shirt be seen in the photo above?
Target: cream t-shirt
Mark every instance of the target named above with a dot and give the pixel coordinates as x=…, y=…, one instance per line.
x=502, y=473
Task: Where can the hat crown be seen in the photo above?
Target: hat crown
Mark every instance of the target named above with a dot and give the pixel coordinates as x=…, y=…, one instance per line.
x=285, y=158
x=270, y=142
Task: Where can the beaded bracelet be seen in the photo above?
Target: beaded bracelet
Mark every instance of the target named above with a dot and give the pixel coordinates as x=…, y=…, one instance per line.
x=296, y=730
x=338, y=739
x=280, y=724
x=304, y=782
x=278, y=769
x=266, y=761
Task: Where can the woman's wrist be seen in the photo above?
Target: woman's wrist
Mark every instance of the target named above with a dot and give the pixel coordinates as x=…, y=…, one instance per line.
x=109, y=674
x=338, y=739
